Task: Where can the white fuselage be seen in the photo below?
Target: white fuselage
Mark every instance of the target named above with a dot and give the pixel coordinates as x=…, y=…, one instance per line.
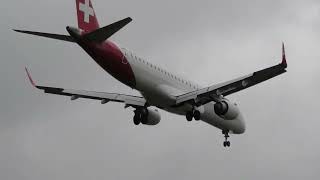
x=159, y=87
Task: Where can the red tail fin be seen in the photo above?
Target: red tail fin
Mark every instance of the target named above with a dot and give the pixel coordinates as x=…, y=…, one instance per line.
x=87, y=20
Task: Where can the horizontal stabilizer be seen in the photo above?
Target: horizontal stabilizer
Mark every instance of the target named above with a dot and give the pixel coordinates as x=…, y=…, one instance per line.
x=47, y=35
x=104, y=33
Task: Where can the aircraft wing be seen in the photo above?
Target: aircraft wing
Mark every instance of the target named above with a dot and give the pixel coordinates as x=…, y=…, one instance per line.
x=216, y=92
x=128, y=100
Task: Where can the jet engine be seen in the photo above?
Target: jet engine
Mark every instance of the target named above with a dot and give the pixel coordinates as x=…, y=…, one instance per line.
x=151, y=117
x=226, y=110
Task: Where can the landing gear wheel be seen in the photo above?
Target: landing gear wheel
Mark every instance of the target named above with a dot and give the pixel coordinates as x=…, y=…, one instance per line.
x=189, y=116
x=197, y=115
x=144, y=119
x=226, y=143
x=136, y=119
x=140, y=116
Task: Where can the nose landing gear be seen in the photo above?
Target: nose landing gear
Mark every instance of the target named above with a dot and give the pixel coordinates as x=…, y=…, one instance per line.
x=226, y=143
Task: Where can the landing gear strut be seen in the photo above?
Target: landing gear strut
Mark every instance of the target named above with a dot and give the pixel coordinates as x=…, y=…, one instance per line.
x=226, y=143
x=193, y=114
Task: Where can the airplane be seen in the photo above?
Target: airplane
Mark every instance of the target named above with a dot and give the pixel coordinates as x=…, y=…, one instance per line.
x=160, y=89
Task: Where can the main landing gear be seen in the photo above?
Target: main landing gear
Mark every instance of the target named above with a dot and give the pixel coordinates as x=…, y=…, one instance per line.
x=140, y=116
x=226, y=143
x=193, y=114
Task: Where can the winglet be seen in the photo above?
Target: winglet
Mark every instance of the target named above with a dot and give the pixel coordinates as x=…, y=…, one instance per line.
x=30, y=78
x=284, y=60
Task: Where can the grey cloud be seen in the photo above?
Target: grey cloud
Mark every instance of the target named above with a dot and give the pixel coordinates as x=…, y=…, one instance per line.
x=49, y=137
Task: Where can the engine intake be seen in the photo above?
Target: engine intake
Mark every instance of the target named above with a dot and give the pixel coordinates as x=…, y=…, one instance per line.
x=226, y=110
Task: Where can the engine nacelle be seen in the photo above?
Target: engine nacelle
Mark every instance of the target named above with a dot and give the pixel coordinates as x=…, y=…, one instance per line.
x=226, y=110
x=152, y=117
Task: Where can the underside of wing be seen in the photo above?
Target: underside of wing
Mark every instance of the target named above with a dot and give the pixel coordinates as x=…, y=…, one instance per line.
x=128, y=100
x=215, y=92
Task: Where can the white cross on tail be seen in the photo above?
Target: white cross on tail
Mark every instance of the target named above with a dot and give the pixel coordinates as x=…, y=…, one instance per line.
x=87, y=10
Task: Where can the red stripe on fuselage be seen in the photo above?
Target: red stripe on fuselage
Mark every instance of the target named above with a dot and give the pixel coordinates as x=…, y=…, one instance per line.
x=111, y=59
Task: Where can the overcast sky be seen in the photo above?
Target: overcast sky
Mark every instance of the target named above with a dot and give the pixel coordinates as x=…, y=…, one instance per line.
x=47, y=137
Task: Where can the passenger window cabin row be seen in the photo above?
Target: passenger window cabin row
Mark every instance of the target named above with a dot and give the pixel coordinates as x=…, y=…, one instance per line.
x=127, y=53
